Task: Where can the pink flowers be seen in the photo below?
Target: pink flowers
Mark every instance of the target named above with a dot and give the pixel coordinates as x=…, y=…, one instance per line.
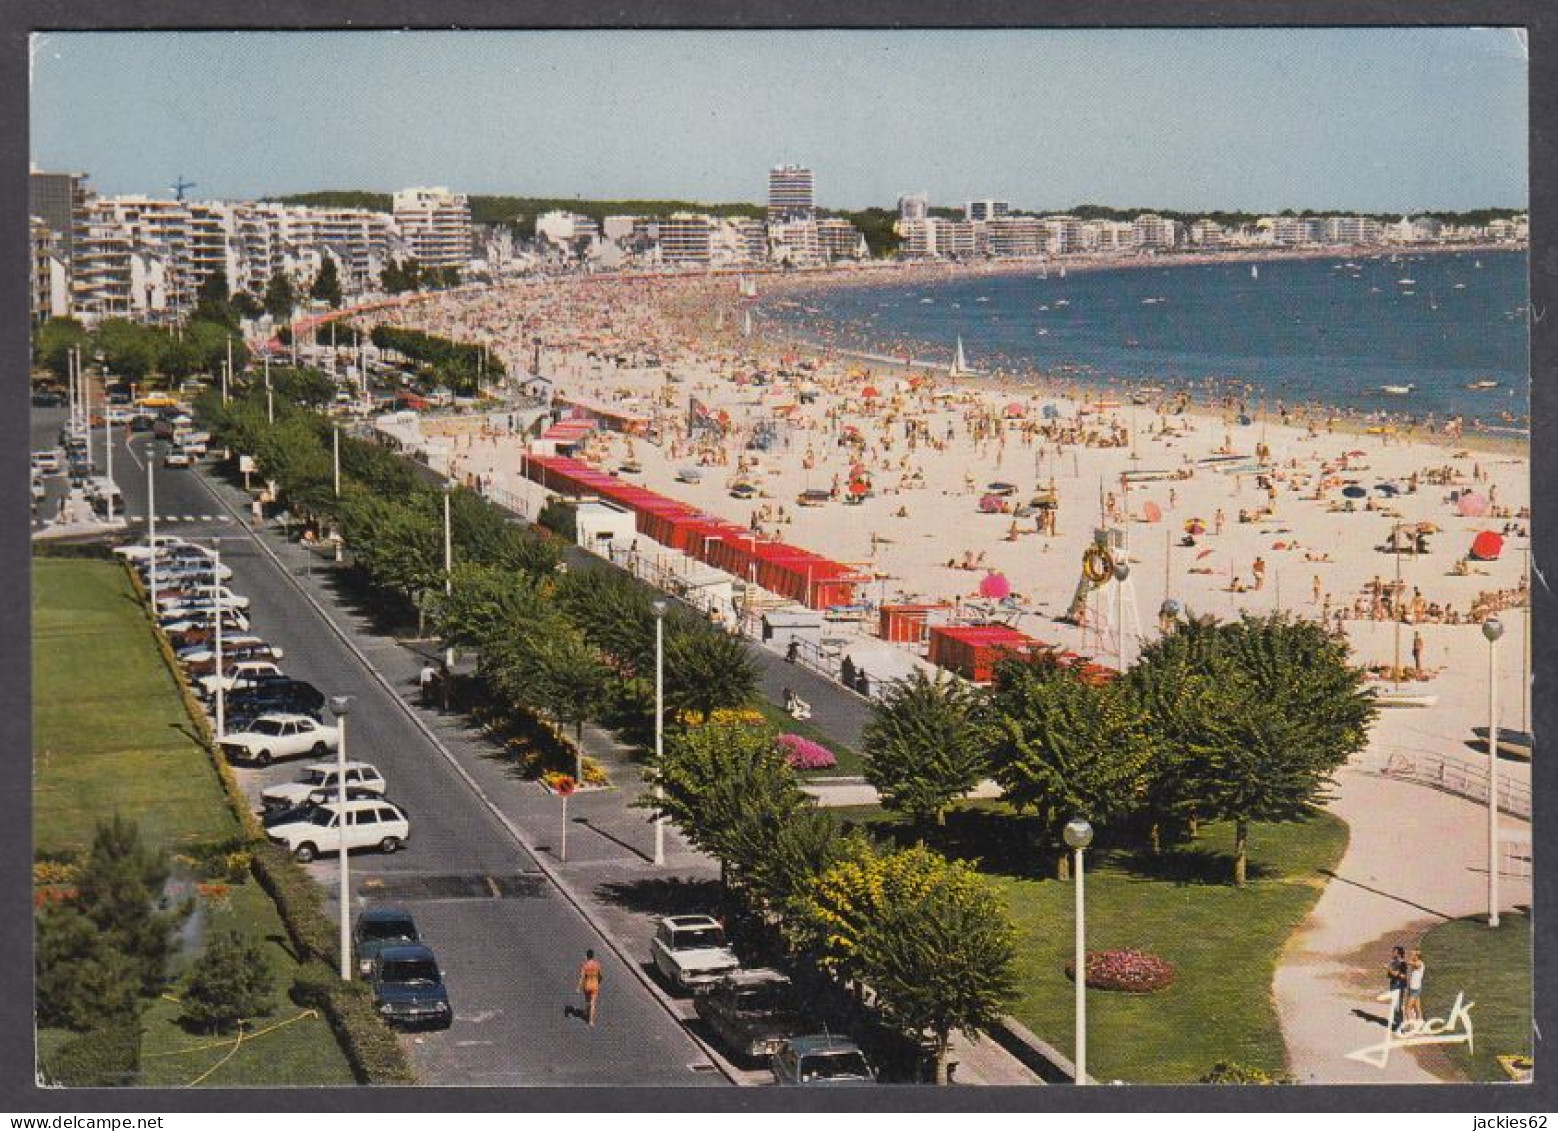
x=804, y=754
x=1129, y=971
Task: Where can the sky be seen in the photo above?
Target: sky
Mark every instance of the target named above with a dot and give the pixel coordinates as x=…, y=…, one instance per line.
x=1375, y=120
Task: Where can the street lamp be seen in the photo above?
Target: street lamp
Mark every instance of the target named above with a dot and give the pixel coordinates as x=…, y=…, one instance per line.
x=340, y=706
x=1078, y=835
x=658, y=607
x=217, y=608
x=1492, y=629
x=448, y=589
x=1122, y=571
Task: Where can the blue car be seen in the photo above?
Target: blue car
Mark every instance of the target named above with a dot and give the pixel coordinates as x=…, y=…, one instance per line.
x=408, y=987
x=379, y=928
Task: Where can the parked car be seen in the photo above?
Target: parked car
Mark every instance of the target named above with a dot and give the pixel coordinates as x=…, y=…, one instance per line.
x=281, y=696
x=370, y=823
x=408, y=987
x=201, y=660
x=691, y=953
x=140, y=552
x=752, y=1012
x=47, y=461
x=378, y=928
x=176, y=623
x=323, y=779
x=194, y=594
x=48, y=398
x=242, y=716
x=822, y=1060
x=39, y=491
x=281, y=736
x=177, y=457
x=244, y=674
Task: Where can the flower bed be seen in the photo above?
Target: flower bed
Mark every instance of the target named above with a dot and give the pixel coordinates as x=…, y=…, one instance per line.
x=804, y=754
x=1125, y=971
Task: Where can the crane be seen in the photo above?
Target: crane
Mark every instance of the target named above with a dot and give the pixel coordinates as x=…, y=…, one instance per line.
x=179, y=185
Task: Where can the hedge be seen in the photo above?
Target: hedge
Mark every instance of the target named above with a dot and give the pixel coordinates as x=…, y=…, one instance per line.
x=105, y=1057
x=300, y=902
x=371, y=1048
x=247, y=821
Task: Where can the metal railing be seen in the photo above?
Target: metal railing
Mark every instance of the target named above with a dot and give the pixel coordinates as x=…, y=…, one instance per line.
x=1464, y=779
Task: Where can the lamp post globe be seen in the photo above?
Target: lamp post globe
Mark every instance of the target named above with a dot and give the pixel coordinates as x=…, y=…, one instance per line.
x=1122, y=569
x=1493, y=629
x=1078, y=833
x=658, y=607
x=340, y=705
x=1169, y=610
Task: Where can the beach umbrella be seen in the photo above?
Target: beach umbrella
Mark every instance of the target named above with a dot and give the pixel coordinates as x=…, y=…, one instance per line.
x=995, y=586
x=869, y=392
x=1015, y=409
x=1471, y=505
x=1195, y=526
x=1389, y=490
x=1426, y=528
x=1487, y=546
x=1051, y=412
x=990, y=504
x=999, y=488
x=1151, y=511
x=859, y=487
x=1354, y=492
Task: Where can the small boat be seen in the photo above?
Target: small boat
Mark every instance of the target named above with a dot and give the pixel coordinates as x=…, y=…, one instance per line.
x=926, y=301
x=1459, y=287
x=1254, y=270
x=1398, y=390
x=1407, y=282
x=1515, y=743
x=1062, y=302
x=1396, y=697
x=1485, y=383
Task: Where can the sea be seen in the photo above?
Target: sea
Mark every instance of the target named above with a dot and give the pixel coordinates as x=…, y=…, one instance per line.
x=1330, y=331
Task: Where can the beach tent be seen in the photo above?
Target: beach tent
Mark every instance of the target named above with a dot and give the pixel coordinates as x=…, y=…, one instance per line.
x=1487, y=546
x=1471, y=505
x=995, y=586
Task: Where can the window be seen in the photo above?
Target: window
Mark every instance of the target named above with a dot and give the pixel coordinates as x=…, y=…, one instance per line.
x=365, y=817
x=388, y=814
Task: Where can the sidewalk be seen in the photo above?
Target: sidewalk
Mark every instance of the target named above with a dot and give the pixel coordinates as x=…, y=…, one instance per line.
x=609, y=868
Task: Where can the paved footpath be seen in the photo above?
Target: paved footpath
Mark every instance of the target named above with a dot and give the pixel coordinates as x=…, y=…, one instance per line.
x=609, y=870
x=1416, y=858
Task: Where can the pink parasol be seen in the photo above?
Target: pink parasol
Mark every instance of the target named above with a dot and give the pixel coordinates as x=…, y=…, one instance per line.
x=1471, y=505
x=995, y=586
x=990, y=504
x=1151, y=511
x=1015, y=409
x=859, y=487
x=869, y=392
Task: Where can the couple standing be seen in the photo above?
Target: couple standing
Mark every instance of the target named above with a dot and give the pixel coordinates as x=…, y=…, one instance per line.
x=1404, y=976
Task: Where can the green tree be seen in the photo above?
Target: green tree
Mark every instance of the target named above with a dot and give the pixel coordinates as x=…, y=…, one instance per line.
x=129, y=349
x=280, y=297
x=246, y=305
x=214, y=301
x=1277, y=710
x=1062, y=746
x=484, y=605
x=308, y=387
x=327, y=283
x=932, y=939
x=706, y=670
x=924, y=746
x=230, y=982
x=52, y=342
x=80, y=978
x=551, y=669
x=119, y=887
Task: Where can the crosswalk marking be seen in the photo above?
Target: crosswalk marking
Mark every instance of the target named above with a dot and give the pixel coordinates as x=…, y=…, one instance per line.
x=130, y=517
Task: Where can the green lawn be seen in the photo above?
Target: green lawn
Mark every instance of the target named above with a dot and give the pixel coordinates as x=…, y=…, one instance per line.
x=849, y=763
x=1493, y=969
x=288, y=1048
x=1223, y=941
x=109, y=728
x=110, y=732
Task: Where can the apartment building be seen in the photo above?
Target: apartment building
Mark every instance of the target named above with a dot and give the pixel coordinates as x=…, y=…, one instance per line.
x=435, y=225
x=684, y=239
x=791, y=193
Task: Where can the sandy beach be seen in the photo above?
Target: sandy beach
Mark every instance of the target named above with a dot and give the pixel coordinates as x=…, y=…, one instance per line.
x=1222, y=517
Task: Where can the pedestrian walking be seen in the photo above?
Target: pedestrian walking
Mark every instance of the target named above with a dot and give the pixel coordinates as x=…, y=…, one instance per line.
x=1396, y=977
x=792, y=650
x=1417, y=652
x=425, y=680
x=589, y=985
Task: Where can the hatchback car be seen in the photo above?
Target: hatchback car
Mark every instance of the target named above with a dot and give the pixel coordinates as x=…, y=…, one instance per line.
x=408, y=987
x=322, y=780
x=280, y=736
x=822, y=1061
x=378, y=928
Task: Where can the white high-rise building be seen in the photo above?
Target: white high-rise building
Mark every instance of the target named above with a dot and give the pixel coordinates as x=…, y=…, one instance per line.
x=684, y=239
x=985, y=209
x=914, y=206
x=790, y=193
x=1016, y=236
x=435, y=225
x=795, y=242
x=839, y=239
x=1152, y=231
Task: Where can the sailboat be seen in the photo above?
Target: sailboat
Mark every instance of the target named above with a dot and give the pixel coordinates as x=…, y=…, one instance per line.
x=959, y=362
x=1255, y=270
x=748, y=287
x=1062, y=270
x=746, y=323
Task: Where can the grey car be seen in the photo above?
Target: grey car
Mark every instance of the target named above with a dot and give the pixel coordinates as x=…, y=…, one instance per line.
x=822, y=1061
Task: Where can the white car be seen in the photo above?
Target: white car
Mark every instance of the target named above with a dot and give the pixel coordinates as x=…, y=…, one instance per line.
x=232, y=621
x=322, y=780
x=691, y=953
x=367, y=824
x=240, y=675
x=201, y=596
x=141, y=551
x=178, y=457
x=46, y=461
x=186, y=571
x=280, y=736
